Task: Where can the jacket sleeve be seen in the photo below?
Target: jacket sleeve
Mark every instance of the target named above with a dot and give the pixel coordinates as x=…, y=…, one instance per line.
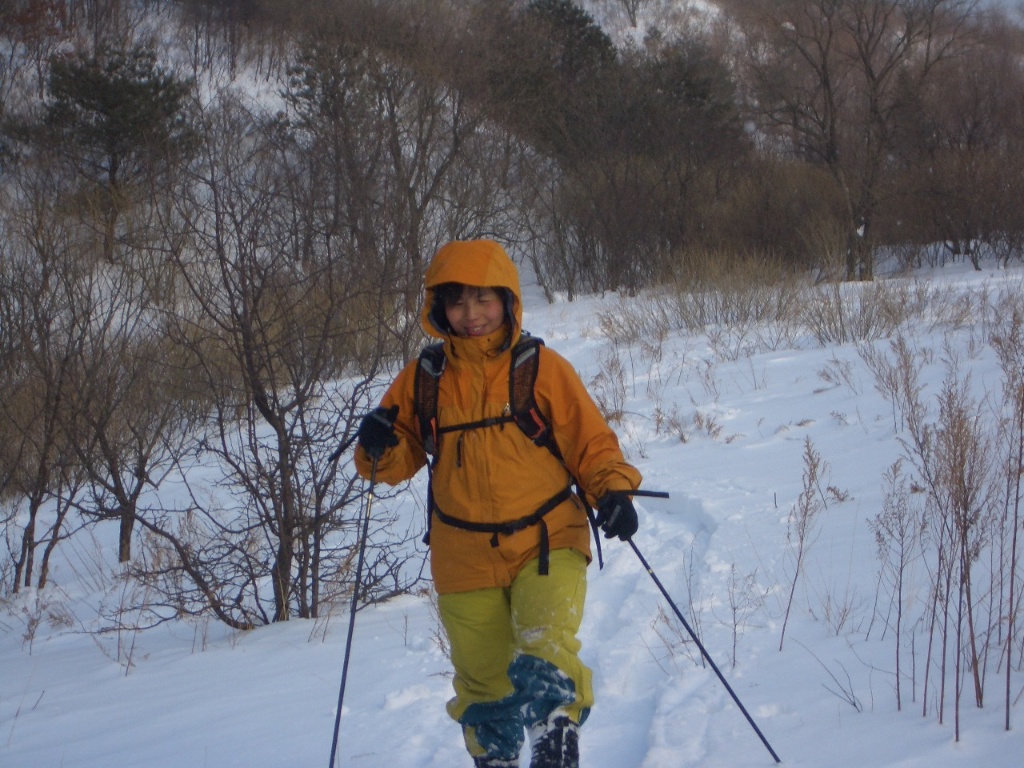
x=404, y=460
x=588, y=445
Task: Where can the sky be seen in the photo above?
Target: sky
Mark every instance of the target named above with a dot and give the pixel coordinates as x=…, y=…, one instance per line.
x=720, y=420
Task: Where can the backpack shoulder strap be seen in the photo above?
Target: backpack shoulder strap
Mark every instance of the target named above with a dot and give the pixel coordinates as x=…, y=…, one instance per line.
x=429, y=368
x=522, y=400
x=425, y=387
x=532, y=421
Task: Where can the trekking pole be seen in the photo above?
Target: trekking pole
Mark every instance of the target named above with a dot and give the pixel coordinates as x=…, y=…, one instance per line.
x=700, y=645
x=352, y=613
x=342, y=447
x=649, y=494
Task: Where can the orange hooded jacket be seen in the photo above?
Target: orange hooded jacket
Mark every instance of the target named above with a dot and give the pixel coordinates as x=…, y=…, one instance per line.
x=496, y=474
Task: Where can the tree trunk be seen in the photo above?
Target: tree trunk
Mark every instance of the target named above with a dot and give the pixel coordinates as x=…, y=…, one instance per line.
x=124, y=544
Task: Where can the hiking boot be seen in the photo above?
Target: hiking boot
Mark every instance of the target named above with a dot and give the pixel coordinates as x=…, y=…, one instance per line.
x=494, y=762
x=556, y=743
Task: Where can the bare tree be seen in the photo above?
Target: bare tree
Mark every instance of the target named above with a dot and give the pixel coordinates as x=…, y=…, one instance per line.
x=287, y=328
x=632, y=8
x=961, y=147
x=32, y=32
x=830, y=79
x=134, y=413
x=45, y=296
x=402, y=151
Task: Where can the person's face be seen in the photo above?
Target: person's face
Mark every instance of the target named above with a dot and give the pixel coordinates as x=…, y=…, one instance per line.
x=476, y=312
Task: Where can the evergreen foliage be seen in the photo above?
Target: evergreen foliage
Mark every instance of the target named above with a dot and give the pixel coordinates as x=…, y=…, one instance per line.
x=118, y=112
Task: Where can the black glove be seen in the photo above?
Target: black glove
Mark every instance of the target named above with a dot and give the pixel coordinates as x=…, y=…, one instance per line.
x=616, y=515
x=377, y=431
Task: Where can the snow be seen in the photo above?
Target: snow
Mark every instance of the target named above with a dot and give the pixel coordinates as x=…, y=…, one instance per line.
x=195, y=694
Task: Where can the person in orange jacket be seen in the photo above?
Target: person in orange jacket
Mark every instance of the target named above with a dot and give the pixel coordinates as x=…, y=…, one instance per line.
x=511, y=604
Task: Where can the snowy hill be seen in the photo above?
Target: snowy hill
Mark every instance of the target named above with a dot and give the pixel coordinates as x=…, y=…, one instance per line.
x=725, y=427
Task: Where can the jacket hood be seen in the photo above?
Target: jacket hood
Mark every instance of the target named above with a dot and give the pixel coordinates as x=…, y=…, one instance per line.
x=479, y=263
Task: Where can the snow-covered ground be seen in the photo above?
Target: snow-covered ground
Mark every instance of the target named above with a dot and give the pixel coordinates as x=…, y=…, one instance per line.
x=198, y=695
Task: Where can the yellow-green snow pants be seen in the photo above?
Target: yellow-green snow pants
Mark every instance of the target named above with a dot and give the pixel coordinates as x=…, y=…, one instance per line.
x=515, y=654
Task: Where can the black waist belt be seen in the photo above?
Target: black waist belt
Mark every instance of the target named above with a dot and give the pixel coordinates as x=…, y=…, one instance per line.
x=514, y=526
